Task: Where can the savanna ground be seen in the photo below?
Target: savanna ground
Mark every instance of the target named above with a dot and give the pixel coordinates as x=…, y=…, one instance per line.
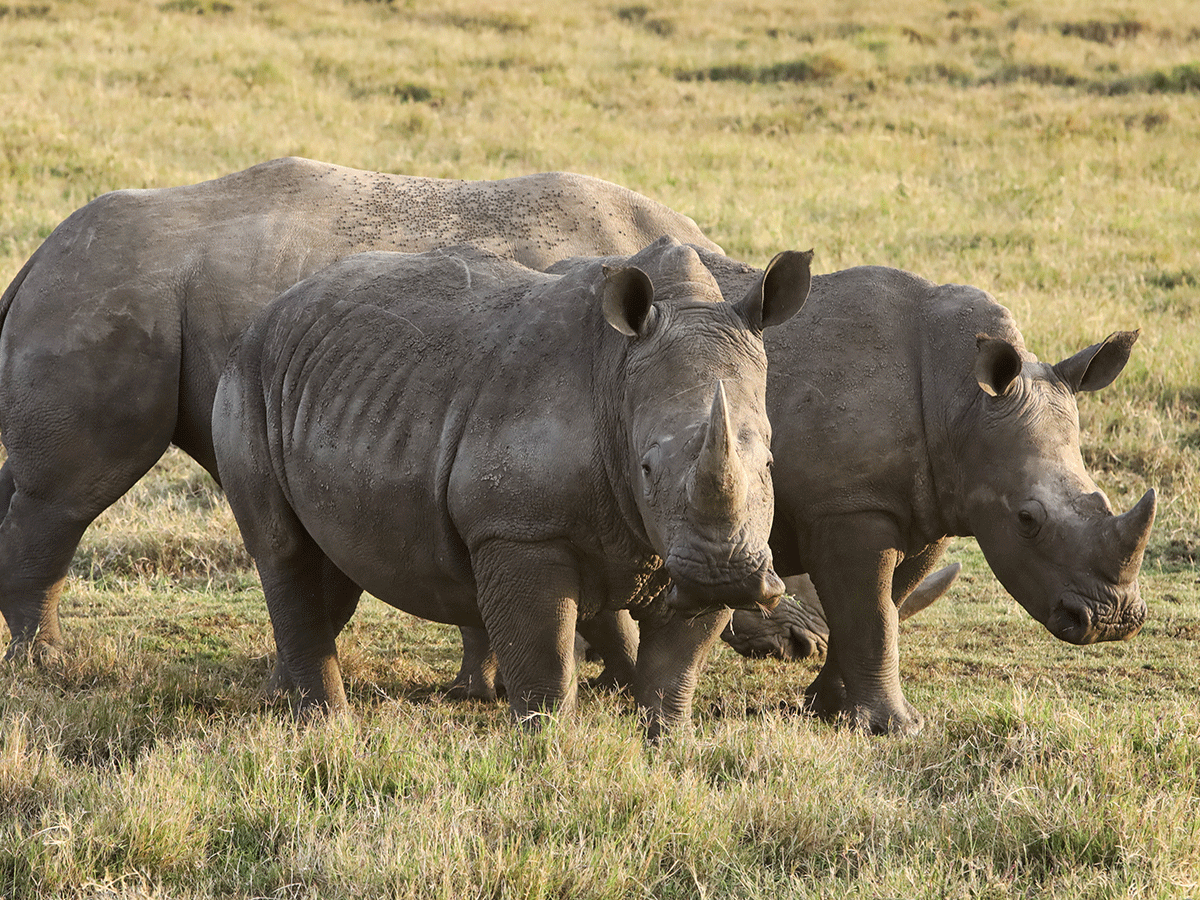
x=1045, y=152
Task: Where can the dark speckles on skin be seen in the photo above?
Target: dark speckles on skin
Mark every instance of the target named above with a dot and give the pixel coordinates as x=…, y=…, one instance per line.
x=537, y=219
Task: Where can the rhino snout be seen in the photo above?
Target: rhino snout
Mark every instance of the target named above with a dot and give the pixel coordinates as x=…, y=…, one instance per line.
x=1080, y=620
x=696, y=589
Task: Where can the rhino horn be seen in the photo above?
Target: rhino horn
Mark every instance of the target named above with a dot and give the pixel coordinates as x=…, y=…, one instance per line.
x=718, y=481
x=1125, y=538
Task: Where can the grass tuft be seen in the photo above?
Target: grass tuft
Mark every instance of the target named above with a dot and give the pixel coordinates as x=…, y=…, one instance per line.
x=819, y=67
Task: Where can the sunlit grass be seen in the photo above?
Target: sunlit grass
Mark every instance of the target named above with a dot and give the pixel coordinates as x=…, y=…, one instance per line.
x=1044, y=153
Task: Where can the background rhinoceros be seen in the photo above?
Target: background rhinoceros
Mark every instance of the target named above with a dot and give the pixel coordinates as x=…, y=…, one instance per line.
x=482, y=444
x=115, y=330
x=906, y=412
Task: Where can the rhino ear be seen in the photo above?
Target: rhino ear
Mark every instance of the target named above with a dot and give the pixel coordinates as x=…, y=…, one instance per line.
x=1099, y=365
x=997, y=364
x=781, y=291
x=628, y=300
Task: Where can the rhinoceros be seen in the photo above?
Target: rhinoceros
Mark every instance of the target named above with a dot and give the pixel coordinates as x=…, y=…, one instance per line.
x=906, y=412
x=113, y=334
x=482, y=444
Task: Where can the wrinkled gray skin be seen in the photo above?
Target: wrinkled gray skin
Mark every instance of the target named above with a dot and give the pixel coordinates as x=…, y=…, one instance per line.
x=906, y=412
x=485, y=445
x=795, y=629
x=115, y=331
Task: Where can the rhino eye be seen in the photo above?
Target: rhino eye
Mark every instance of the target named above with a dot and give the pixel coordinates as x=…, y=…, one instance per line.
x=1030, y=518
x=650, y=466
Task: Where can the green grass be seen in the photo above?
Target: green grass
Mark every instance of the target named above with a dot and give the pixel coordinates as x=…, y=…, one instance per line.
x=1043, y=152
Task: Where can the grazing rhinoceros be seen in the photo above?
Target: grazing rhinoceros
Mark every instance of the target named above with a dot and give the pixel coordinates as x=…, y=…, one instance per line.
x=481, y=444
x=795, y=629
x=906, y=412
x=115, y=331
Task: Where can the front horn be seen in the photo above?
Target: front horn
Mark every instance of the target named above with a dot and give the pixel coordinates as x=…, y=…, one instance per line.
x=718, y=482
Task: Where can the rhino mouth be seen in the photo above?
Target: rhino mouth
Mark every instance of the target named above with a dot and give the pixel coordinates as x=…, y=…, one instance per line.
x=1079, y=619
x=697, y=586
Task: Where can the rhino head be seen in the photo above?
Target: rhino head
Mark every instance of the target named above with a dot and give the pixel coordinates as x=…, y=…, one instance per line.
x=1046, y=530
x=699, y=458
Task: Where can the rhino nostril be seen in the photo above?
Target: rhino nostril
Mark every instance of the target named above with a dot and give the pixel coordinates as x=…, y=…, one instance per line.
x=1072, y=620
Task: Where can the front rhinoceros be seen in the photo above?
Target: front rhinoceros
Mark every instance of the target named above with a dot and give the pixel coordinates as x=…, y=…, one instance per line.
x=906, y=412
x=481, y=444
x=113, y=334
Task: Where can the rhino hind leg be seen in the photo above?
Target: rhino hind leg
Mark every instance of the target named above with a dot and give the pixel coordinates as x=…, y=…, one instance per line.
x=37, y=543
x=81, y=427
x=477, y=676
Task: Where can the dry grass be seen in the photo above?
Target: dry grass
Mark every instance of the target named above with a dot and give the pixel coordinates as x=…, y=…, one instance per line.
x=1044, y=153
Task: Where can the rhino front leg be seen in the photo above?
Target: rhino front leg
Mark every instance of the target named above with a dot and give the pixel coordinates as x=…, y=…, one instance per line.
x=671, y=654
x=852, y=563
x=528, y=595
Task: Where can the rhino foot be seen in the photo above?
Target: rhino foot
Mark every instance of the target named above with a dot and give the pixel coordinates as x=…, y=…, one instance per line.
x=466, y=688
x=884, y=718
x=42, y=654
x=826, y=698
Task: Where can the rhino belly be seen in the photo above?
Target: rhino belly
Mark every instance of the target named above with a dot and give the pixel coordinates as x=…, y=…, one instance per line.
x=389, y=537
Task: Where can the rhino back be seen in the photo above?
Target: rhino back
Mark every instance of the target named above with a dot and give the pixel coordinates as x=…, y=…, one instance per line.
x=401, y=459
x=185, y=268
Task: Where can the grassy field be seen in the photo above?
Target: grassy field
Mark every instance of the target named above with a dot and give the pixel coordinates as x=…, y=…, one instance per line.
x=1045, y=153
